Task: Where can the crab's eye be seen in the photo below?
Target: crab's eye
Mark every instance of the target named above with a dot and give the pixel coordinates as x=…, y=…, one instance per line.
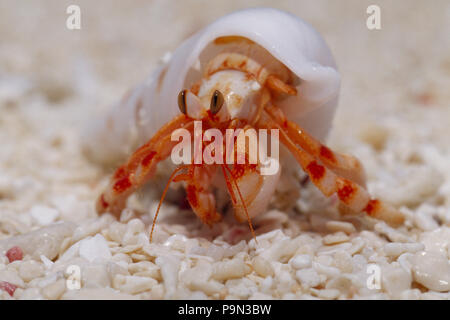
x=216, y=102
x=182, y=101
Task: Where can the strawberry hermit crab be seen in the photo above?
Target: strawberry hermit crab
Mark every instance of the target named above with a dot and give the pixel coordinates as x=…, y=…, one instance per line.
x=256, y=69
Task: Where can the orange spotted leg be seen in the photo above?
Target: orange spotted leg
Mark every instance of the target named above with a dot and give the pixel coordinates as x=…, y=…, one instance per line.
x=199, y=194
x=140, y=167
x=344, y=165
x=349, y=192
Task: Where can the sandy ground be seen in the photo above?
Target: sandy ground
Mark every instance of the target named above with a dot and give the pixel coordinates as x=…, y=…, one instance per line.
x=393, y=115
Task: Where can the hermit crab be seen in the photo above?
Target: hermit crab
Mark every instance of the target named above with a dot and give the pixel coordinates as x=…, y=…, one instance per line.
x=255, y=69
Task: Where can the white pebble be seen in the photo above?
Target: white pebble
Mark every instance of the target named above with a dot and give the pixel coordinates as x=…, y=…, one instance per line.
x=133, y=284
x=198, y=295
x=413, y=294
x=122, y=258
x=405, y=261
x=96, y=294
x=262, y=267
x=29, y=270
x=266, y=284
x=233, y=250
x=285, y=281
x=358, y=244
x=260, y=296
x=48, y=279
x=326, y=293
x=94, y=248
x=301, y=261
x=11, y=275
x=231, y=269
x=288, y=296
x=308, y=277
x=145, y=267
x=329, y=250
x=169, y=266
x=335, y=226
x=31, y=294
x=280, y=250
x=202, y=271
x=135, y=226
x=330, y=272
x=335, y=238
x=95, y=276
x=114, y=268
x=47, y=262
x=425, y=221
x=391, y=233
x=395, y=280
x=437, y=241
x=44, y=215
x=44, y=241
x=359, y=262
x=215, y=252
x=90, y=227
x=54, y=290
x=343, y=261
x=395, y=249
x=341, y=283
x=432, y=270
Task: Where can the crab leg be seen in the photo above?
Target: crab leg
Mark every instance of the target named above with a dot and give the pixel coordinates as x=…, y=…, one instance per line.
x=342, y=164
x=249, y=189
x=140, y=167
x=199, y=195
x=349, y=192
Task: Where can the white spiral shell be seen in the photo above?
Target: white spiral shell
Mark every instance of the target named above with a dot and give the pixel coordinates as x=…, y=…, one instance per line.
x=286, y=37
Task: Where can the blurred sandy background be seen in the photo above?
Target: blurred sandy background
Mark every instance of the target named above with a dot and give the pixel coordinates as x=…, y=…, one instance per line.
x=120, y=42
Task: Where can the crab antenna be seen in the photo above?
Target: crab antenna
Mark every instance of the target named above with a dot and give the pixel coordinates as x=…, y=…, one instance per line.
x=172, y=177
x=240, y=196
